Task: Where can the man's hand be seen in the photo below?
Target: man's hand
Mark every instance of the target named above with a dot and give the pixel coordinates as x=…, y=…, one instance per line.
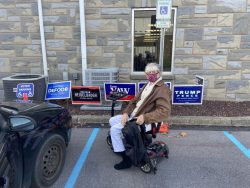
x=124, y=118
x=140, y=120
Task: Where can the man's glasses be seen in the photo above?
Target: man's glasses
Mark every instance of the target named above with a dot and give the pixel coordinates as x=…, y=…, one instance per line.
x=151, y=72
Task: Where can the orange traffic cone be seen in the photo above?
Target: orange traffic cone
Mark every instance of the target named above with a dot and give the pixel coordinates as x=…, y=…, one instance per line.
x=164, y=128
x=25, y=97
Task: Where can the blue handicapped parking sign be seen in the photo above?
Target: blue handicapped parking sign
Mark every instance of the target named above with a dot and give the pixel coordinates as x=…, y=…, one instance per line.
x=163, y=10
x=25, y=89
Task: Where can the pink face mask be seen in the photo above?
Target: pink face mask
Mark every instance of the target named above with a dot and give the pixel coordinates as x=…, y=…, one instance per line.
x=152, y=77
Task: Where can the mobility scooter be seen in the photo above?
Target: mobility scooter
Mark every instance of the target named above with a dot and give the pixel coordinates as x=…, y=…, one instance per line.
x=155, y=151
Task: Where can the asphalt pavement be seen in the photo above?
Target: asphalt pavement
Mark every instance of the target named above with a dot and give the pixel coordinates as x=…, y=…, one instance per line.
x=197, y=159
x=214, y=152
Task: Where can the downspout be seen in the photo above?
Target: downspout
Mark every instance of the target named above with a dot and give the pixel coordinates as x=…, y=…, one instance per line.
x=40, y=14
x=83, y=40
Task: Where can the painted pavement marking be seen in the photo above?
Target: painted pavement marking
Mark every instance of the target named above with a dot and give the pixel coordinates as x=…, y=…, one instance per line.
x=236, y=142
x=80, y=163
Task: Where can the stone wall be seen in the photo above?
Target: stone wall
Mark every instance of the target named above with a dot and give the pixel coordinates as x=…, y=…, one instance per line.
x=63, y=38
x=212, y=40
x=20, y=42
x=19, y=38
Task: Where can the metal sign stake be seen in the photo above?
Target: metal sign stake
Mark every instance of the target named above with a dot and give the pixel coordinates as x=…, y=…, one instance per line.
x=162, y=48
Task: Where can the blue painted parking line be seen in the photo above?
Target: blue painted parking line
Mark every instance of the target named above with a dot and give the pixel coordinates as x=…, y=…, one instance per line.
x=236, y=142
x=79, y=164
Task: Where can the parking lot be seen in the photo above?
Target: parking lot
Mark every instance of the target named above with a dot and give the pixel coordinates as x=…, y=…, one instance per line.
x=199, y=158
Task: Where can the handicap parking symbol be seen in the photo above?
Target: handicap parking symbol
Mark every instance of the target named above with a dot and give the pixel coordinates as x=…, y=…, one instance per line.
x=163, y=10
x=30, y=94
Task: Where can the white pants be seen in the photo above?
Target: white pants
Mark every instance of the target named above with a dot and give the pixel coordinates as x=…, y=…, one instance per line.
x=116, y=133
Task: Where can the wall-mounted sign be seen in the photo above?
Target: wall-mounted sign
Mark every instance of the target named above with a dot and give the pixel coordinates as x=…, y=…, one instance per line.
x=187, y=94
x=86, y=95
x=128, y=88
x=25, y=89
x=58, y=90
x=141, y=84
x=199, y=80
x=163, y=9
x=163, y=23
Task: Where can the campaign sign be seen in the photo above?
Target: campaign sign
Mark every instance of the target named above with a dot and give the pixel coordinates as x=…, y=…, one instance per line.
x=128, y=88
x=23, y=101
x=58, y=90
x=25, y=89
x=141, y=84
x=85, y=95
x=187, y=94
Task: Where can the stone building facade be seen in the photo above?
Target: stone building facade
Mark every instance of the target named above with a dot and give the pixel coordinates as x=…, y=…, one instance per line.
x=212, y=39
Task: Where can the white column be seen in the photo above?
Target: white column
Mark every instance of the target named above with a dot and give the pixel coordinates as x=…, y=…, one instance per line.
x=83, y=40
x=44, y=55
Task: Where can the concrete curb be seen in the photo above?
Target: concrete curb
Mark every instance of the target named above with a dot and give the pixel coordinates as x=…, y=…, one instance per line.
x=83, y=120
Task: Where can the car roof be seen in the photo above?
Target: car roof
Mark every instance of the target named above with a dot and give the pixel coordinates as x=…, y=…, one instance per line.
x=25, y=107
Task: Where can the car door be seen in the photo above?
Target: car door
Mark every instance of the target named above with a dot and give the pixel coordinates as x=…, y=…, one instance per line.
x=5, y=166
x=10, y=161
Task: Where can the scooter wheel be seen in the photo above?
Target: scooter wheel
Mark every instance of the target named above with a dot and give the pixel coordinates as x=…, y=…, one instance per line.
x=146, y=168
x=108, y=140
x=166, y=152
x=154, y=162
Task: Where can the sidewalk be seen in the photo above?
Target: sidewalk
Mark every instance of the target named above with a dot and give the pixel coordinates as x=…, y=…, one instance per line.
x=175, y=121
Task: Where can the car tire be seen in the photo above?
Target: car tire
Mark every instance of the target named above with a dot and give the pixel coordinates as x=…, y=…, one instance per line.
x=49, y=161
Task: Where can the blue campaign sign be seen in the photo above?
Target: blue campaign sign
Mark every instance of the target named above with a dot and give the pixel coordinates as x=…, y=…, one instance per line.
x=25, y=89
x=58, y=90
x=141, y=84
x=128, y=88
x=187, y=94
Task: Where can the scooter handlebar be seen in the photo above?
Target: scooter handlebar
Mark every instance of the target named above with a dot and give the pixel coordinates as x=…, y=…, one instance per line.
x=116, y=95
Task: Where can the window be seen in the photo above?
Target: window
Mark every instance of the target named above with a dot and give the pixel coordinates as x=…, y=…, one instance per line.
x=146, y=39
x=21, y=123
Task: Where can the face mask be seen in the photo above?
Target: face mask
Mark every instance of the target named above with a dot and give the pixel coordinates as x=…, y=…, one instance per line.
x=152, y=77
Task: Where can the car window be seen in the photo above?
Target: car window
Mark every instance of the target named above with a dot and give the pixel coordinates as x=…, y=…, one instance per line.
x=18, y=121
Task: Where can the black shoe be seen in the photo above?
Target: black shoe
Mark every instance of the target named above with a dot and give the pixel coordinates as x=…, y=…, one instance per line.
x=125, y=163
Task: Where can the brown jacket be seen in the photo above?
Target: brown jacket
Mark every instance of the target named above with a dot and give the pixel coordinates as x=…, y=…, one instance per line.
x=156, y=107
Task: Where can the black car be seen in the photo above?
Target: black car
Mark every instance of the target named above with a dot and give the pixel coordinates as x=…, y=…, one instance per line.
x=33, y=142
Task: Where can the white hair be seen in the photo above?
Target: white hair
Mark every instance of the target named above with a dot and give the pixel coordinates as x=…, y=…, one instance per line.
x=152, y=67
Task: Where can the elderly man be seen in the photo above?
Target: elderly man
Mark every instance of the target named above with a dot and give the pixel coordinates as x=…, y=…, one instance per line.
x=150, y=105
